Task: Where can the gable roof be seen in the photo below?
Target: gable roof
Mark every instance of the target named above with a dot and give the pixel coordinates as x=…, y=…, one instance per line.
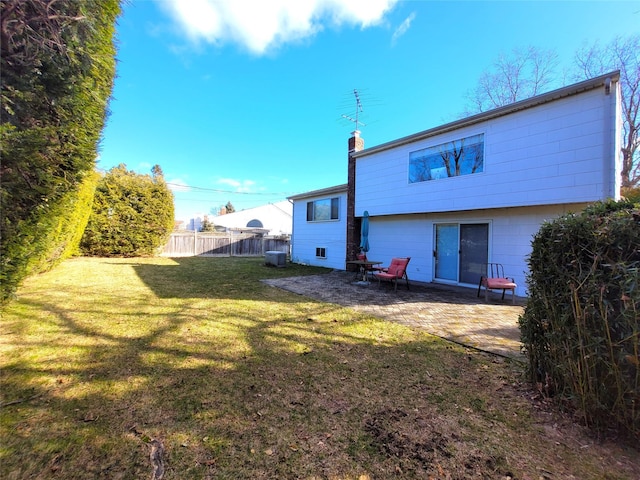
x=591, y=84
x=273, y=217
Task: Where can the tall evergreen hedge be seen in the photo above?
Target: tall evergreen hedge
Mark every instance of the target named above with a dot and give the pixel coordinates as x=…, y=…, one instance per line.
x=132, y=215
x=66, y=225
x=58, y=65
x=581, y=324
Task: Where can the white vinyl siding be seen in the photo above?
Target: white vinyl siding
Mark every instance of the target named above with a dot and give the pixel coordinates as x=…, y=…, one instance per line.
x=560, y=152
x=312, y=238
x=510, y=235
x=542, y=158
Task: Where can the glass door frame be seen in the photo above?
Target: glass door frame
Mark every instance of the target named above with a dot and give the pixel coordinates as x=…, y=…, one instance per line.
x=440, y=260
x=458, y=249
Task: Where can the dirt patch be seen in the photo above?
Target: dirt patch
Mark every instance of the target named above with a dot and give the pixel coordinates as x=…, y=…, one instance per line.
x=428, y=447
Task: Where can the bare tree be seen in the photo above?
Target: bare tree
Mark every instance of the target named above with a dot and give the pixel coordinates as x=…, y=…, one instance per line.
x=524, y=73
x=623, y=54
x=530, y=71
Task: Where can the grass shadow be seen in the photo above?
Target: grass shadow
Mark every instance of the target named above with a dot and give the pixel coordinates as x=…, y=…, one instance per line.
x=95, y=364
x=214, y=277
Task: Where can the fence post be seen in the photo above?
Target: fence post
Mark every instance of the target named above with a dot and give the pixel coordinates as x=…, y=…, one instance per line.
x=195, y=242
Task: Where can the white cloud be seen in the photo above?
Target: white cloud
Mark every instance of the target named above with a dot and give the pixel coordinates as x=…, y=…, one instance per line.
x=402, y=29
x=240, y=186
x=259, y=25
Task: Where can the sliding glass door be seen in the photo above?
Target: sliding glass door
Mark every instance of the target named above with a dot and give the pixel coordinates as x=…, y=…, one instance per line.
x=461, y=252
x=446, y=252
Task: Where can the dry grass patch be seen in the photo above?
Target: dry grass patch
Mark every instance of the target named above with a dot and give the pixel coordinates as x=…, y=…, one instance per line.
x=236, y=379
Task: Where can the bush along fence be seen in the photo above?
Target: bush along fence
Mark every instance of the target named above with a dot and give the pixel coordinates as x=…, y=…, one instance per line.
x=192, y=244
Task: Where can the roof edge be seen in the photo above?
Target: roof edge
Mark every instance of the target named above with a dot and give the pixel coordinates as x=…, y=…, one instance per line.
x=323, y=191
x=553, y=95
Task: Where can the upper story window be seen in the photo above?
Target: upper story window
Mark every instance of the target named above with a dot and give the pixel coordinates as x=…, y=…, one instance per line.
x=325, y=209
x=458, y=157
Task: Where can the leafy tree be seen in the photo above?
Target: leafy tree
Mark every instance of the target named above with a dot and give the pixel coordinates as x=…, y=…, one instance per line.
x=132, y=215
x=57, y=60
x=621, y=54
x=207, y=225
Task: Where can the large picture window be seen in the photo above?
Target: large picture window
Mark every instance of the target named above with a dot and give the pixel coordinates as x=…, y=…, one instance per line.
x=459, y=157
x=322, y=210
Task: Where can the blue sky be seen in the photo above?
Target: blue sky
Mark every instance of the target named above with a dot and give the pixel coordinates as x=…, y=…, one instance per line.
x=245, y=100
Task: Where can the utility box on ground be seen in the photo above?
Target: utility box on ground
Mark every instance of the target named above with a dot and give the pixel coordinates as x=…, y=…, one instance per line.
x=276, y=259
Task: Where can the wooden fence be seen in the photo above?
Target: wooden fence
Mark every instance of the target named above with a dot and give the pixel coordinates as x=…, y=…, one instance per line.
x=192, y=244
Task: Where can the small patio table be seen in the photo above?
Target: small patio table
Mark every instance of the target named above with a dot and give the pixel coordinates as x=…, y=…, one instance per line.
x=362, y=265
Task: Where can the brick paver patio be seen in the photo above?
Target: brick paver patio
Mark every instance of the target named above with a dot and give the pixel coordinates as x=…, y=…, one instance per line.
x=453, y=313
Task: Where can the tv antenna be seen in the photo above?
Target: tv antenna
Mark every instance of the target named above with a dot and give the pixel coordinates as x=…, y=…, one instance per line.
x=358, y=110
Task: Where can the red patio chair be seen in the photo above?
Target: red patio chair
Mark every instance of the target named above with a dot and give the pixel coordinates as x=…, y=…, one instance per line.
x=496, y=280
x=397, y=270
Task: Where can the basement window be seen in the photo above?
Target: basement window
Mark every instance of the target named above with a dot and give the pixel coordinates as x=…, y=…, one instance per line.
x=321, y=252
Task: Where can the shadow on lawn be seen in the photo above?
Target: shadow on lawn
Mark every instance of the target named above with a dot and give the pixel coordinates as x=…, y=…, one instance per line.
x=215, y=277
x=453, y=313
x=301, y=395
x=241, y=277
x=281, y=387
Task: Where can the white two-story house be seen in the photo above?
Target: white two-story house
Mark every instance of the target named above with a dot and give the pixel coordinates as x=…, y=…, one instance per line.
x=472, y=191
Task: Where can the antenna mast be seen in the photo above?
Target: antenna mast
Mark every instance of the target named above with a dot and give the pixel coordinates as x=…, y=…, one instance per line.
x=358, y=110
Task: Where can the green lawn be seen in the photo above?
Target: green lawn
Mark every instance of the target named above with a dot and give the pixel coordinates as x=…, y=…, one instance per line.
x=106, y=361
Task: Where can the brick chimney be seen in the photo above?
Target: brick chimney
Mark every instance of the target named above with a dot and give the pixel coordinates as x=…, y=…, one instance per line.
x=353, y=228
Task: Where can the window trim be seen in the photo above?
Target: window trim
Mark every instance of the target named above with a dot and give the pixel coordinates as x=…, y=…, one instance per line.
x=333, y=209
x=426, y=172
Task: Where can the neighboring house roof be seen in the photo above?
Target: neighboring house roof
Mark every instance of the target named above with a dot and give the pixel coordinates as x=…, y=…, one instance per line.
x=568, y=91
x=273, y=217
x=320, y=192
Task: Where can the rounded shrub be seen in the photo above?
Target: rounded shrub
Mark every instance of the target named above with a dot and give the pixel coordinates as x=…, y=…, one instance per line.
x=132, y=215
x=580, y=328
